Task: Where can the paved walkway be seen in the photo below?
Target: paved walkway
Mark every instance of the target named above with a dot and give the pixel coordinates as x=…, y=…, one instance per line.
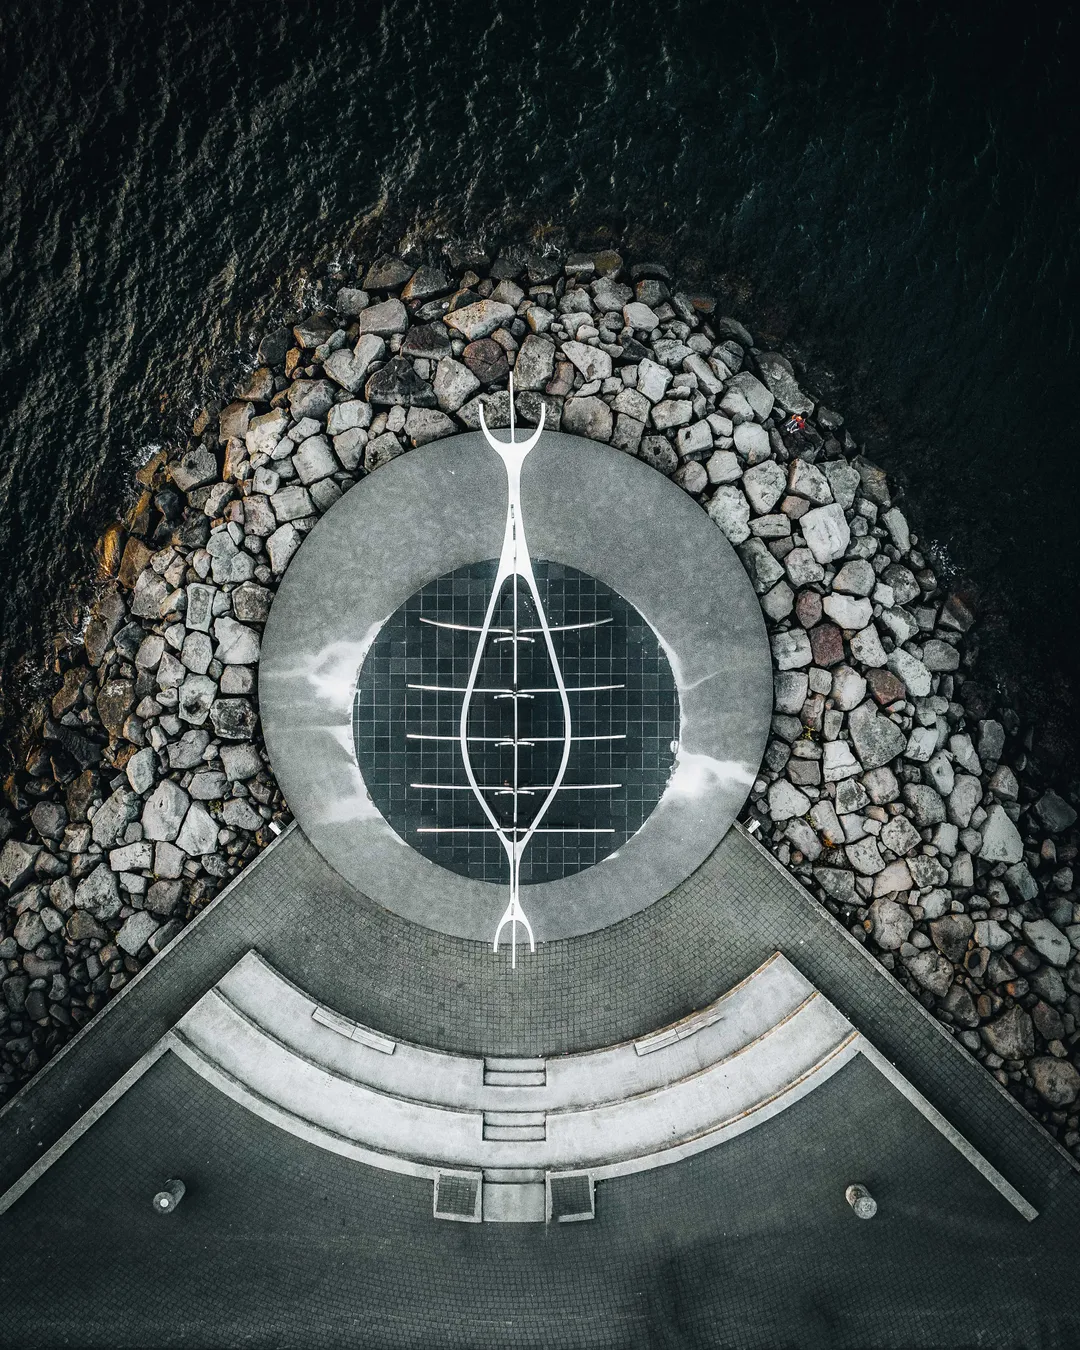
x=666, y=1268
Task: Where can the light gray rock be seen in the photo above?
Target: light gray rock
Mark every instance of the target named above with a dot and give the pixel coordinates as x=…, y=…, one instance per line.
x=890, y=924
x=197, y=653
x=313, y=461
x=900, y=835
x=807, y=480
x=895, y=522
x=29, y=930
x=723, y=466
x=1001, y=840
x=939, y=656
x=932, y=970
x=423, y=425
x=837, y=882
x=731, y=511
x=927, y=808
x=200, y=606
x=535, y=363
x=136, y=931
x=479, y=320
x=761, y=567
x=164, y=811
x=752, y=442
x=786, y=801
x=198, y=833
x=694, y=439
x=238, y=645
x=187, y=752
x=240, y=762
x=281, y=546
x=990, y=934
x=843, y=480
x=865, y=856
x=881, y=785
x=791, y=649
x=208, y=786
x=778, y=602
x=848, y=688
x=239, y=815
x=764, y=484
x=593, y=362
x=454, y=384
x=855, y=578
x=348, y=416
x=653, y=380
x=590, y=417
x=140, y=770
x=195, y=696
x=838, y=762
x=113, y=816
x=802, y=568
x=911, y=670
x=826, y=532
x=98, y=893
x=777, y=372
x=759, y=398
x=149, y=594
x=291, y=503
x=384, y=319
x=848, y=611
x=132, y=857
x=790, y=688
x=640, y=318
x=672, y=413
x=866, y=647
x=1049, y=941
x=311, y=398
x=150, y=652
x=876, y=739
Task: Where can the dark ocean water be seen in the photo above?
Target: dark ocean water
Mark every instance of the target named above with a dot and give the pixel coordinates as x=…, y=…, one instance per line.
x=891, y=189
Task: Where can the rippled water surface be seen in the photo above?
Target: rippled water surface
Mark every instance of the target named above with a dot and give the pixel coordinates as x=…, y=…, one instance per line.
x=890, y=191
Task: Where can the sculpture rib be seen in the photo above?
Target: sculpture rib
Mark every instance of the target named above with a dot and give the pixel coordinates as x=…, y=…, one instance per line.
x=514, y=565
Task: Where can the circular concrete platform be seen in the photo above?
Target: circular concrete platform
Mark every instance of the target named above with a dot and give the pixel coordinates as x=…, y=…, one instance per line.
x=440, y=508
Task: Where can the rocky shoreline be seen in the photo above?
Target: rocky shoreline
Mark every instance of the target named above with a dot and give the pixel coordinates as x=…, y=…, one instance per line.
x=893, y=786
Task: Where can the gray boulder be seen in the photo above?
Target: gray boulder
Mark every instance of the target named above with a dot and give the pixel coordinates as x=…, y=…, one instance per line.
x=164, y=811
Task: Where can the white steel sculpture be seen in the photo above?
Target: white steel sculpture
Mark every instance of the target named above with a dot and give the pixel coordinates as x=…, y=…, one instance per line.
x=515, y=567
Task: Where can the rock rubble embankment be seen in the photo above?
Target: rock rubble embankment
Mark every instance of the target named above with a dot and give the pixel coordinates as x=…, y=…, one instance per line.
x=894, y=785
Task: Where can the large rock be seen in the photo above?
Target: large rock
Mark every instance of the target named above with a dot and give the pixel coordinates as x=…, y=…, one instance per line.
x=238, y=645
x=889, y=924
x=589, y=417
x=1055, y=813
x=759, y=398
x=786, y=801
x=950, y=935
x=198, y=834
x=826, y=532
x=911, y=670
x=1049, y=941
x=113, y=816
x=196, y=468
x=876, y=739
x=423, y=425
x=791, y=649
x=535, y=363
x=29, y=930
x=731, y=511
x=115, y=700
x=849, y=611
x=926, y=804
x=164, y=811
x=1056, y=1080
x=1011, y=1035
x=311, y=398
x=777, y=372
x=194, y=698
x=454, y=384
x=350, y=368
x=764, y=485
x=397, y=383
x=593, y=362
x=384, y=319
x=17, y=863
x=1001, y=840
x=479, y=320
x=135, y=932
x=233, y=718
x=932, y=970
x=314, y=461
x=964, y=798
x=98, y=893
x=752, y=442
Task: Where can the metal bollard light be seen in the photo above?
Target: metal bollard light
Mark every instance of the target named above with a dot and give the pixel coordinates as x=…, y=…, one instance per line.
x=861, y=1201
x=166, y=1200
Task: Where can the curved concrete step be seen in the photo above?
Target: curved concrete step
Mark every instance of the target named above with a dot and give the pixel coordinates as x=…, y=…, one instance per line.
x=642, y=1107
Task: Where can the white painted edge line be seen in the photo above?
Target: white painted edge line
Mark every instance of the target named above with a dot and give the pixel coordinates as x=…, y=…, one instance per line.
x=89, y=1118
x=949, y=1132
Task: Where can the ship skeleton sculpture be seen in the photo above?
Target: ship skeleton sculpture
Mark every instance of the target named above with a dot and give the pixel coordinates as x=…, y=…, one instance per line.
x=514, y=568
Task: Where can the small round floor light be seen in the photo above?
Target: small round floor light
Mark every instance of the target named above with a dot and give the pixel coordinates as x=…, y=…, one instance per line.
x=168, y=1198
x=861, y=1201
